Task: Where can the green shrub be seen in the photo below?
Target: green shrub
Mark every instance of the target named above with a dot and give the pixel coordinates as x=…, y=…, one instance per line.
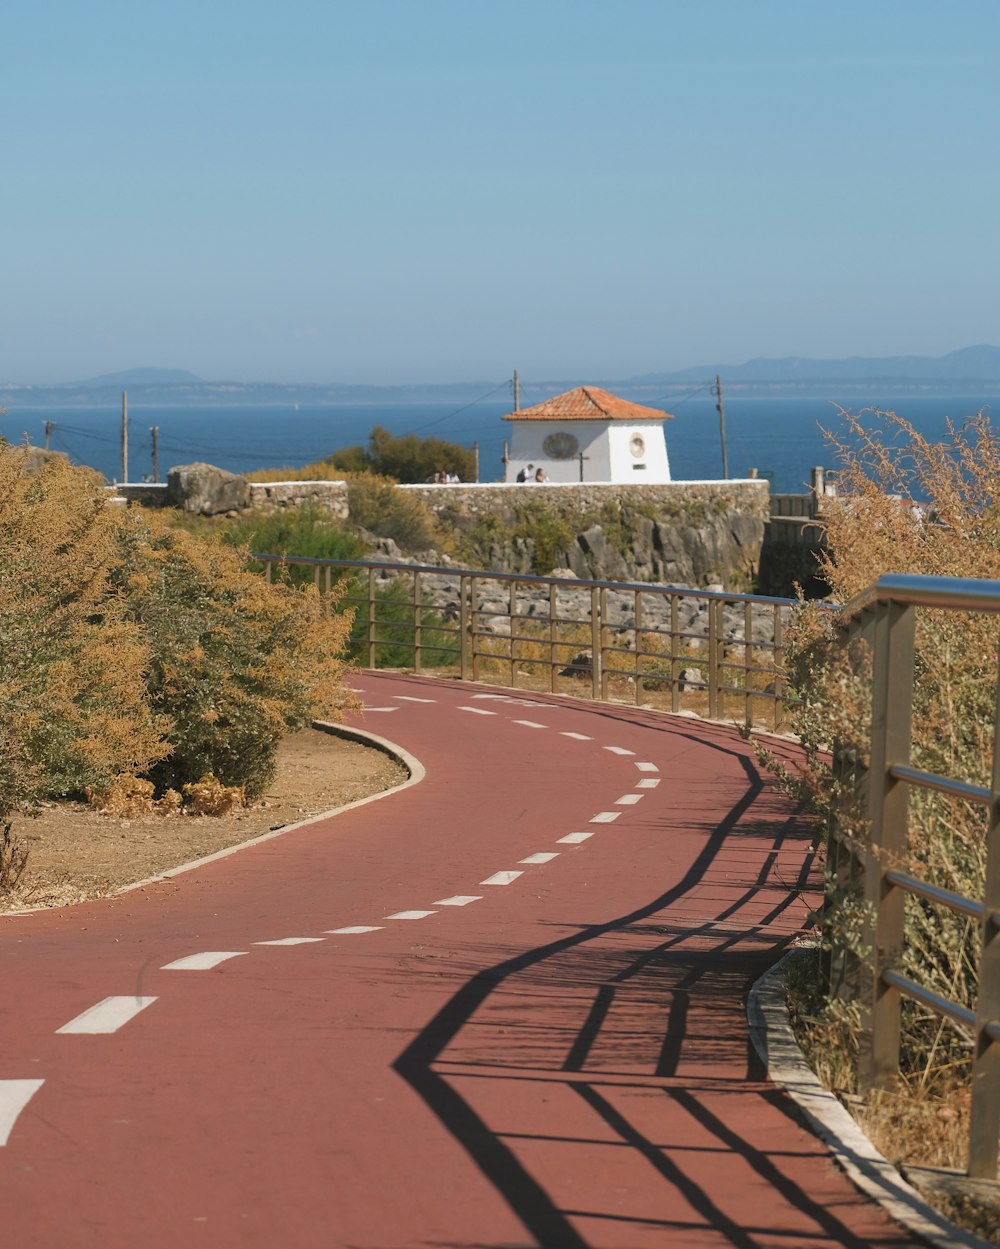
x=375, y=504
x=408, y=459
x=306, y=532
x=395, y=632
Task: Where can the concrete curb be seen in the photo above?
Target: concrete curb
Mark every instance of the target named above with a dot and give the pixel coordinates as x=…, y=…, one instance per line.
x=778, y=1049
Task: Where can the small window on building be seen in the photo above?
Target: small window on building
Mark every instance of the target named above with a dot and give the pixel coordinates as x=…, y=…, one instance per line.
x=639, y=466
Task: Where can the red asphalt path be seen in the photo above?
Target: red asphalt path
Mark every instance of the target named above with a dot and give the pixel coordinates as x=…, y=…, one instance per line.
x=562, y=1062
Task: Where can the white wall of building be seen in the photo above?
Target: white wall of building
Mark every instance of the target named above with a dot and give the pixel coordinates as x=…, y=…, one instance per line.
x=638, y=452
x=611, y=454
x=527, y=440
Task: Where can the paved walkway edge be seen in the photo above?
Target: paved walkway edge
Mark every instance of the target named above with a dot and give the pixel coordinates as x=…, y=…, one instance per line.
x=403, y=757
x=777, y=1047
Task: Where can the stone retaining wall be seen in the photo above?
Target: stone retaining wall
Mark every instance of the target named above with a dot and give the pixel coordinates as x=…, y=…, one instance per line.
x=749, y=496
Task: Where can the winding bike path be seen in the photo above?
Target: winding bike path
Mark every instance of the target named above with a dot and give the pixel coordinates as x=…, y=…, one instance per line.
x=502, y=1007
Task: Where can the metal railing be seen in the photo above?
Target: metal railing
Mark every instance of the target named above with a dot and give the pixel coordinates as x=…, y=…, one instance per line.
x=712, y=653
x=883, y=619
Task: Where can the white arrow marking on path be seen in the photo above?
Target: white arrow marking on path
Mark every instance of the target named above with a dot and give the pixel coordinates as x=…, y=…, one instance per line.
x=14, y=1096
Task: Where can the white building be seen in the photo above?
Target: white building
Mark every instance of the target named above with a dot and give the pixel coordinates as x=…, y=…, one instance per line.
x=588, y=434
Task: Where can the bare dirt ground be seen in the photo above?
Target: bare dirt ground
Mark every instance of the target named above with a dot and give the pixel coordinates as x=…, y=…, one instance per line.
x=76, y=853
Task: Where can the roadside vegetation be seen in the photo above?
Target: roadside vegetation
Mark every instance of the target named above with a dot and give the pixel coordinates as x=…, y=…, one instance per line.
x=138, y=660
x=874, y=528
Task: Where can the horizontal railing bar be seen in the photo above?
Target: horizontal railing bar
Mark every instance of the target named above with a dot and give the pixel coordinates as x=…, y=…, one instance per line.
x=933, y=1001
x=941, y=784
x=576, y=583
x=933, y=893
x=953, y=593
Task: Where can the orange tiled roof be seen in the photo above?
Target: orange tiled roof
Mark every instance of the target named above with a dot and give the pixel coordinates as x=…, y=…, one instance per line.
x=588, y=403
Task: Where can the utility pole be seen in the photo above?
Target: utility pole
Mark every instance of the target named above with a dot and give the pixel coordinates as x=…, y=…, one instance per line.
x=475, y=456
x=49, y=427
x=720, y=407
x=155, y=431
x=517, y=393
x=124, y=436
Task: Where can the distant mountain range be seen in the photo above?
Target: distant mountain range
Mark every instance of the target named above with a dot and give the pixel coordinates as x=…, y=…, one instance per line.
x=974, y=370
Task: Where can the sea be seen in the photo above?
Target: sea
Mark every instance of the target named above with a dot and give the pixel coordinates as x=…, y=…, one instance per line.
x=783, y=438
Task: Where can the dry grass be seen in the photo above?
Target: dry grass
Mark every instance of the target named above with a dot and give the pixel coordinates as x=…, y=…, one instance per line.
x=872, y=529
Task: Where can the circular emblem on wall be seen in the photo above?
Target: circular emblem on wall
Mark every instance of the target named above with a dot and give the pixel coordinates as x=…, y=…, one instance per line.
x=560, y=446
x=637, y=445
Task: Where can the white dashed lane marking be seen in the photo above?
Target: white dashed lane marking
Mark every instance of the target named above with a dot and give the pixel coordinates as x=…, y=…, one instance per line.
x=14, y=1096
x=459, y=899
x=107, y=1016
x=478, y=711
x=629, y=800
x=367, y=709
x=501, y=878
x=573, y=839
x=577, y=737
x=202, y=962
x=542, y=857
x=353, y=929
x=647, y=767
x=605, y=817
x=411, y=914
x=619, y=750
x=650, y=782
x=290, y=941
x=408, y=698
x=531, y=724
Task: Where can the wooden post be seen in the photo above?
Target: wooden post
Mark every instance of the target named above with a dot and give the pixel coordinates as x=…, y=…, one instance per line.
x=155, y=431
x=124, y=436
x=517, y=393
x=475, y=457
x=720, y=407
x=888, y=803
x=985, y=1111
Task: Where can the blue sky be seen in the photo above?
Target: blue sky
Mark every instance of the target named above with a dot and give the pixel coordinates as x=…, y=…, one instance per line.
x=444, y=190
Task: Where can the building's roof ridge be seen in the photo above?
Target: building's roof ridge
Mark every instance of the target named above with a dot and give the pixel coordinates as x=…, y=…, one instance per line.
x=580, y=403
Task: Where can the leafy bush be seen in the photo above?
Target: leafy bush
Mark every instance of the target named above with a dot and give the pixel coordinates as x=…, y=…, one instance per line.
x=409, y=459
x=375, y=504
x=73, y=707
x=395, y=633
x=235, y=663
x=307, y=532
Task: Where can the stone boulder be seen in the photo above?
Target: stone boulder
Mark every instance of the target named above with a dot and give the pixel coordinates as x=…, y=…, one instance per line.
x=207, y=490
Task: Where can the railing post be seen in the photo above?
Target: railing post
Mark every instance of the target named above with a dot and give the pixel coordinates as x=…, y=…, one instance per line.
x=637, y=638
x=984, y=1123
x=675, y=669
x=714, y=646
x=511, y=644
x=463, y=625
x=553, y=636
x=778, y=657
x=596, y=665
x=888, y=802
x=417, y=624
x=371, y=617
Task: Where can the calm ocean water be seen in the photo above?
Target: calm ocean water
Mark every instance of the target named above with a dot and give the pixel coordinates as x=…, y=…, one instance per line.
x=781, y=437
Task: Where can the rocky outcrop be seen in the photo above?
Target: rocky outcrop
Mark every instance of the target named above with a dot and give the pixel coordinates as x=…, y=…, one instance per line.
x=206, y=490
